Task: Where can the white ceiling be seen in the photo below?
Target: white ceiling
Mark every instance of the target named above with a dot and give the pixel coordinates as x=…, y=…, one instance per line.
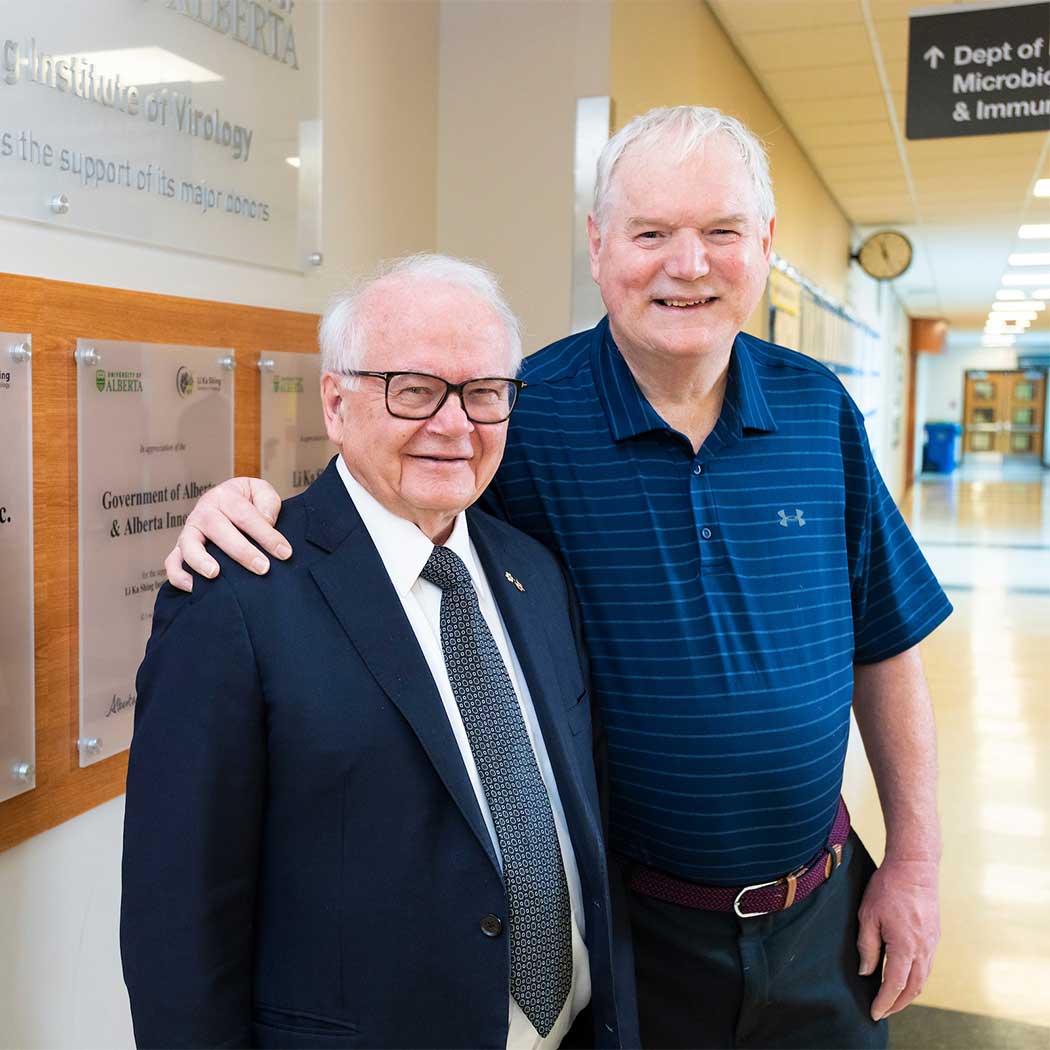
x=836, y=71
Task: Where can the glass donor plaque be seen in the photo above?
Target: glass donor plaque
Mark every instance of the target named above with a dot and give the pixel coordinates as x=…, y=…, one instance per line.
x=294, y=445
x=155, y=430
x=17, y=721
x=193, y=124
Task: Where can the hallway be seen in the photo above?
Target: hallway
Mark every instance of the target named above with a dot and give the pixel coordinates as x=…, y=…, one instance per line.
x=986, y=532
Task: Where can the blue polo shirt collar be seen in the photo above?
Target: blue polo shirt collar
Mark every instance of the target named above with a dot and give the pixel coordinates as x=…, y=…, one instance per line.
x=629, y=413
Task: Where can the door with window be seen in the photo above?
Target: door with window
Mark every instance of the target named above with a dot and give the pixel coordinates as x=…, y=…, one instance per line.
x=1003, y=412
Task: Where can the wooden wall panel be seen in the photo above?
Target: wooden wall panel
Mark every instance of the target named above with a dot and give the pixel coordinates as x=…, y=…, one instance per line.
x=58, y=313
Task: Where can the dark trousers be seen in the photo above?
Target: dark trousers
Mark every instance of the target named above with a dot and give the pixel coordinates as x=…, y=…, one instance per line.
x=710, y=979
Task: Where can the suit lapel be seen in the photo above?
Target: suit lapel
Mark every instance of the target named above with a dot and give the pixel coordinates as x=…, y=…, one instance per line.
x=358, y=590
x=526, y=621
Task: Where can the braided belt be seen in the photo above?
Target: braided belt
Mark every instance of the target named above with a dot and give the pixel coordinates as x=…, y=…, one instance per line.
x=760, y=898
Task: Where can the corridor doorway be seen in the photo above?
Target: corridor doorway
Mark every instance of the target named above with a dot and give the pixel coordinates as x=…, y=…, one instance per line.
x=1004, y=412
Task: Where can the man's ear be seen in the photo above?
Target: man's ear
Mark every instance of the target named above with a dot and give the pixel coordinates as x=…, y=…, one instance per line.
x=767, y=237
x=594, y=245
x=333, y=403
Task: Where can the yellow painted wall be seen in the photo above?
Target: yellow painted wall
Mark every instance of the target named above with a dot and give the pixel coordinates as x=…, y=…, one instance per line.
x=674, y=52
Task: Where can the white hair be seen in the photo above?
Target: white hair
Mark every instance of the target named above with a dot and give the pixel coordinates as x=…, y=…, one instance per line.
x=342, y=333
x=687, y=128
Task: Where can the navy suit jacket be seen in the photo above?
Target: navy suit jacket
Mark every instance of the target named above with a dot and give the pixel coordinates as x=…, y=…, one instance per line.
x=305, y=862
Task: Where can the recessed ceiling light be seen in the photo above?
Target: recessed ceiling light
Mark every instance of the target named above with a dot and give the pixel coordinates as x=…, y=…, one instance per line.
x=1034, y=231
x=1000, y=320
x=1029, y=259
x=1041, y=293
x=1019, y=315
x=1020, y=280
x=294, y=161
x=1019, y=304
x=1042, y=188
x=1009, y=293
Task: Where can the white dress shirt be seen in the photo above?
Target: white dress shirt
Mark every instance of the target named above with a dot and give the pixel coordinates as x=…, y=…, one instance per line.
x=404, y=550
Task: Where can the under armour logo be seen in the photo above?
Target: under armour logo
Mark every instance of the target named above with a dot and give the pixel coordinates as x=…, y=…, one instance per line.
x=785, y=518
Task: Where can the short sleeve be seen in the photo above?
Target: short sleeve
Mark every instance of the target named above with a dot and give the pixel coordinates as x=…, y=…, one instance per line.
x=897, y=600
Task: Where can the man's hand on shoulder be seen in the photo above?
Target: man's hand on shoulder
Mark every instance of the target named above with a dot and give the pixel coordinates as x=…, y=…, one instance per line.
x=899, y=909
x=227, y=515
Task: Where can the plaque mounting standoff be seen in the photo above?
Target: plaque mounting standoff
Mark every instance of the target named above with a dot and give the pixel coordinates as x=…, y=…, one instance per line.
x=86, y=355
x=59, y=204
x=20, y=352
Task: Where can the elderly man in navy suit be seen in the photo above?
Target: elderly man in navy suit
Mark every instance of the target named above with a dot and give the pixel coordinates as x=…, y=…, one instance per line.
x=361, y=803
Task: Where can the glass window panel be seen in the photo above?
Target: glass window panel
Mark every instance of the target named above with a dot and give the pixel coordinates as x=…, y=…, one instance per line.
x=980, y=442
x=983, y=390
x=1021, y=442
x=1024, y=391
x=983, y=415
x=1024, y=416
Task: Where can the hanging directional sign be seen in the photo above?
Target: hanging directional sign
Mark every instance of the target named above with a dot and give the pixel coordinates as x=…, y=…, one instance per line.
x=978, y=71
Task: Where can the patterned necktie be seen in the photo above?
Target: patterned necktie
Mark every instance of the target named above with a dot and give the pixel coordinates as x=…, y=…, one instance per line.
x=537, y=893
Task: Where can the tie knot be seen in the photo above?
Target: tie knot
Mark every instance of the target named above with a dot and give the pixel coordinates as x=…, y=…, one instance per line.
x=445, y=569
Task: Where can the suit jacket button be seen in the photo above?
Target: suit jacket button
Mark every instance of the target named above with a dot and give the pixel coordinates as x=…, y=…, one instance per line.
x=491, y=926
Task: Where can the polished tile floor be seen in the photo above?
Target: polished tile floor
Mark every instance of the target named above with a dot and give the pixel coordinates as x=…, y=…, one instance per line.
x=986, y=532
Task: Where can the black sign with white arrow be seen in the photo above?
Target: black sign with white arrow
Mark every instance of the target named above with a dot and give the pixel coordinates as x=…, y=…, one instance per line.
x=979, y=71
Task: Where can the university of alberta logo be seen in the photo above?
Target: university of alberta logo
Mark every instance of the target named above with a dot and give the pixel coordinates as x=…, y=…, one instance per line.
x=184, y=381
x=100, y=379
x=785, y=517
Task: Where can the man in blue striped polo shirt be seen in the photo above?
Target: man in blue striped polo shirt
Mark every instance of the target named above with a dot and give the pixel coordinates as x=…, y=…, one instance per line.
x=744, y=578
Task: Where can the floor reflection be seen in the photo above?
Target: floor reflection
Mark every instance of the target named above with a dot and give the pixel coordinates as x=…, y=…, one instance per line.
x=986, y=532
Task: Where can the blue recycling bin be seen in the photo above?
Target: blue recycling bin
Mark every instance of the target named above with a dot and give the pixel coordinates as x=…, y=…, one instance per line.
x=939, y=451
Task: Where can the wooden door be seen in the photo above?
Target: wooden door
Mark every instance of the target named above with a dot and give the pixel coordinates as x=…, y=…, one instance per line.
x=1004, y=412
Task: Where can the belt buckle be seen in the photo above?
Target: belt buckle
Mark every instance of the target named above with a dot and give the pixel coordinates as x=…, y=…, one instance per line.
x=748, y=889
x=790, y=878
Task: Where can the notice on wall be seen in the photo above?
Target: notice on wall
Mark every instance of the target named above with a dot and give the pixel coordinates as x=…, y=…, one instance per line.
x=155, y=432
x=294, y=446
x=982, y=71
x=17, y=718
x=192, y=124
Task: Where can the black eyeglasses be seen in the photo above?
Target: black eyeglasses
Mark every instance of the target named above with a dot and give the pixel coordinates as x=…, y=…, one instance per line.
x=416, y=395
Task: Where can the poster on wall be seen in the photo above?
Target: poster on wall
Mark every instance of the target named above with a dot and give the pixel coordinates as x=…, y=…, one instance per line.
x=17, y=713
x=294, y=445
x=193, y=124
x=155, y=431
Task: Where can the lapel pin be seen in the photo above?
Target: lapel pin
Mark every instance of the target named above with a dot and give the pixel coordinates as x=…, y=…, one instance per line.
x=516, y=583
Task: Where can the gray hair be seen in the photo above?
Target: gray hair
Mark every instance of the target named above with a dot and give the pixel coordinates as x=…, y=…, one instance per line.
x=688, y=128
x=342, y=332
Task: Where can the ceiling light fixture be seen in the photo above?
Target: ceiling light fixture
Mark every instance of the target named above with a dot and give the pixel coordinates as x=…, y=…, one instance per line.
x=1026, y=315
x=1009, y=293
x=1029, y=259
x=1021, y=280
x=1034, y=231
x=294, y=161
x=1019, y=304
x=1042, y=188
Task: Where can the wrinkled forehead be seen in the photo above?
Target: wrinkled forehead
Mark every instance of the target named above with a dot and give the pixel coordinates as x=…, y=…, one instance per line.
x=667, y=166
x=417, y=324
